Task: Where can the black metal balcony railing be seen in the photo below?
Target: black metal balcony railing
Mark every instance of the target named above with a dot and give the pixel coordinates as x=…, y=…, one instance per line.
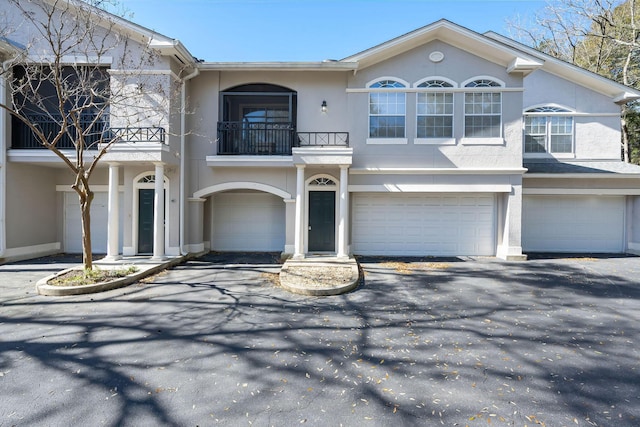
x=241, y=138
x=323, y=139
x=255, y=138
x=100, y=133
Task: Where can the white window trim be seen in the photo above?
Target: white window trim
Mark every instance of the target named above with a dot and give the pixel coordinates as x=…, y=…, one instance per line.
x=473, y=79
x=387, y=141
x=444, y=79
x=437, y=140
x=482, y=141
x=570, y=112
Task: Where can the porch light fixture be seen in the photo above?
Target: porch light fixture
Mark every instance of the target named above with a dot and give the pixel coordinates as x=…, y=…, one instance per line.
x=324, y=106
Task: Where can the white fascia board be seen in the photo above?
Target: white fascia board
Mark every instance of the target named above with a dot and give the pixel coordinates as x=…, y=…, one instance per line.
x=279, y=66
x=582, y=191
x=604, y=175
x=450, y=33
x=430, y=188
x=436, y=171
x=619, y=92
x=250, y=161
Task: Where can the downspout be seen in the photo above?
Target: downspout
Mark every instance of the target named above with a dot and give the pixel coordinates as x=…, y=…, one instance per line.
x=3, y=165
x=183, y=123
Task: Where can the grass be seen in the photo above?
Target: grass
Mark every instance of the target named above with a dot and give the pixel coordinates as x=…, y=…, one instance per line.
x=90, y=277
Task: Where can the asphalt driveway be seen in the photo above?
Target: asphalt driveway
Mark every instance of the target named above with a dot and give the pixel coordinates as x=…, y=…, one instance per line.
x=552, y=341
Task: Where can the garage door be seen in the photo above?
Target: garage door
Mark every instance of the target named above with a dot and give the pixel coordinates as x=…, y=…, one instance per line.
x=573, y=224
x=99, y=220
x=248, y=222
x=419, y=224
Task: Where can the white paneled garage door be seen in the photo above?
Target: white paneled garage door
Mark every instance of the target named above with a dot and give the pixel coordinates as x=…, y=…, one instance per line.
x=99, y=220
x=421, y=224
x=248, y=222
x=573, y=223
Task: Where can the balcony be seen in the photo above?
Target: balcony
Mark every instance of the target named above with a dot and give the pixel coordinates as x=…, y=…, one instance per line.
x=272, y=138
x=99, y=133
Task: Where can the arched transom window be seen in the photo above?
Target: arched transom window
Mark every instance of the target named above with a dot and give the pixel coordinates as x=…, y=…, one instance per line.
x=548, y=129
x=322, y=182
x=434, y=111
x=387, y=110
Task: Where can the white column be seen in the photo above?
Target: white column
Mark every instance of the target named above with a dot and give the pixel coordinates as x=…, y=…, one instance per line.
x=114, y=213
x=298, y=251
x=344, y=212
x=158, y=214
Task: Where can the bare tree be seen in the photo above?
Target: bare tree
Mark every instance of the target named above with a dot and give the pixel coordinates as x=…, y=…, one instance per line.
x=602, y=36
x=63, y=93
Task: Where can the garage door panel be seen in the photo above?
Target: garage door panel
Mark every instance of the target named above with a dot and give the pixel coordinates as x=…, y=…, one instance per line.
x=99, y=220
x=248, y=222
x=573, y=224
x=422, y=224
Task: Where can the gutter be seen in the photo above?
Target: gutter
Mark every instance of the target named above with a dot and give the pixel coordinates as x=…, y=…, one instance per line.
x=183, y=123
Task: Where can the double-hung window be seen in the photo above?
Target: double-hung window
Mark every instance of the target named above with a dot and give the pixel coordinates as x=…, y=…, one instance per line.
x=483, y=110
x=387, y=110
x=435, y=111
x=548, y=129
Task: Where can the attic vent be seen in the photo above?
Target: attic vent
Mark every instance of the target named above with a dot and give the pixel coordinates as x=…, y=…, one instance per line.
x=436, y=56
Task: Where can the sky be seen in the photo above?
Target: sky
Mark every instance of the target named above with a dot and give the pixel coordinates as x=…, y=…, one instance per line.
x=311, y=30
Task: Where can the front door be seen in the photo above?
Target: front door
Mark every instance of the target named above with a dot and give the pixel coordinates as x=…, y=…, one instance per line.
x=145, y=220
x=322, y=221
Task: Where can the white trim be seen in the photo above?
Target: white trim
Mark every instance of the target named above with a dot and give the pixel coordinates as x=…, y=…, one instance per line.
x=437, y=171
x=78, y=60
x=252, y=161
x=436, y=89
x=145, y=72
x=395, y=79
x=4, y=119
x=583, y=191
x=473, y=79
x=427, y=79
x=572, y=114
x=603, y=175
x=483, y=141
x=434, y=141
x=336, y=207
x=33, y=251
x=241, y=185
x=549, y=155
x=95, y=188
x=430, y=188
x=135, y=214
x=388, y=141
x=551, y=105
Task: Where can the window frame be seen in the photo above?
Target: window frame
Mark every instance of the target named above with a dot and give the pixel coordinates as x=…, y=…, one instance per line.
x=481, y=87
x=548, y=112
x=401, y=89
x=435, y=85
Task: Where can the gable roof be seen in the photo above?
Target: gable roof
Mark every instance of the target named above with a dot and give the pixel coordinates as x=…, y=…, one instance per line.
x=618, y=92
x=514, y=60
x=165, y=45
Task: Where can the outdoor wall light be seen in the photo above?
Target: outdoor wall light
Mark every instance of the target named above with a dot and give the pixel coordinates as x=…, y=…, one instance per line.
x=324, y=106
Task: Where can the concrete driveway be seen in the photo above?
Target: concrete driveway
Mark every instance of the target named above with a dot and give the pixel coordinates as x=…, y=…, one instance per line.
x=471, y=341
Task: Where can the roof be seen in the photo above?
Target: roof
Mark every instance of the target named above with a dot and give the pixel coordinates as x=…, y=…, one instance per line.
x=581, y=168
x=515, y=60
x=619, y=92
x=166, y=45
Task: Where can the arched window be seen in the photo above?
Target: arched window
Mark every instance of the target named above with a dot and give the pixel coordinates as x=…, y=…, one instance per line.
x=548, y=129
x=387, y=109
x=434, y=110
x=482, y=110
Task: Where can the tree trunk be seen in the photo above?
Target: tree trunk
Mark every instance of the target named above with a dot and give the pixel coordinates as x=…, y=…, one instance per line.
x=626, y=156
x=85, y=210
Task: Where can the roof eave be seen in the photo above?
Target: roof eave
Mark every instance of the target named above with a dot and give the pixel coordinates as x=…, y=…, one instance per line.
x=279, y=66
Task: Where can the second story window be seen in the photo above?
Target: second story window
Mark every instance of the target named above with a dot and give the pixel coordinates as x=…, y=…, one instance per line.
x=482, y=110
x=435, y=111
x=387, y=110
x=548, y=129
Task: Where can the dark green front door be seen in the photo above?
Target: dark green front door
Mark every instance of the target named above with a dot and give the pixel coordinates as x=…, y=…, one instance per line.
x=322, y=221
x=145, y=220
